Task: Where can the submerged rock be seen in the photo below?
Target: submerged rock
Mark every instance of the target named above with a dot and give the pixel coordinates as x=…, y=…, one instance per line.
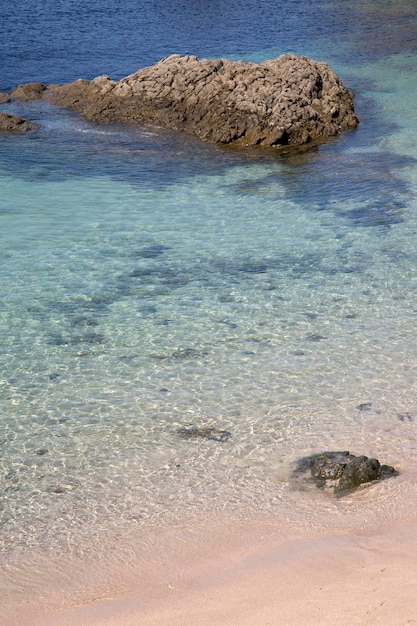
x=285, y=101
x=187, y=353
x=151, y=252
x=14, y=123
x=365, y=406
x=60, y=340
x=405, y=417
x=213, y=434
x=342, y=471
x=315, y=337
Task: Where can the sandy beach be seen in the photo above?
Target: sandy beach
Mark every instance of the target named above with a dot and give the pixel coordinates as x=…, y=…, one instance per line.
x=253, y=579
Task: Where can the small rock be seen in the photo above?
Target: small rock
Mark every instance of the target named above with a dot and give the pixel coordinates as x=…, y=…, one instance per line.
x=56, y=489
x=315, y=337
x=186, y=353
x=13, y=123
x=151, y=252
x=92, y=338
x=405, y=417
x=28, y=91
x=365, y=406
x=84, y=321
x=42, y=451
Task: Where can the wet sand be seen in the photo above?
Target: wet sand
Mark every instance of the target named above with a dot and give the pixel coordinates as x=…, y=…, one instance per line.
x=252, y=578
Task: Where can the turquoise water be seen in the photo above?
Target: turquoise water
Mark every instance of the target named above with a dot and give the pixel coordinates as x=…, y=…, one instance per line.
x=151, y=283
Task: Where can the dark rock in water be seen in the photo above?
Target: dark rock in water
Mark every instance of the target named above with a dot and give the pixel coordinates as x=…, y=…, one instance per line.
x=327, y=466
x=12, y=475
x=382, y=213
x=361, y=470
x=315, y=337
x=77, y=339
x=253, y=268
x=405, y=417
x=365, y=406
x=160, y=275
x=285, y=101
x=88, y=338
x=84, y=321
x=14, y=123
x=186, y=353
x=4, y=97
x=143, y=273
x=151, y=252
x=213, y=434
x=342, y=471
x=56, y=489
x=147, y=310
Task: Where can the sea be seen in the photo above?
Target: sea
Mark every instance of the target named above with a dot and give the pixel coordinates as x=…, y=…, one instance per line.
x=153, y=286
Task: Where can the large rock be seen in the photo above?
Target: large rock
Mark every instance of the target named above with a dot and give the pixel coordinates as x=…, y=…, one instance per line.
x=12, y=123
x=285, y=101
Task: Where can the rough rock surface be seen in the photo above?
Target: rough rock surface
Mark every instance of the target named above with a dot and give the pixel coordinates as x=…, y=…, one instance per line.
x=28, y=91
x=12, y=123
x=342, y=471
x=285, y=101
x=4, y=97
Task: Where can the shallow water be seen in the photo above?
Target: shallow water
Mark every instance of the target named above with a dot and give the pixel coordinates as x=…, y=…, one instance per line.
x=152, y=283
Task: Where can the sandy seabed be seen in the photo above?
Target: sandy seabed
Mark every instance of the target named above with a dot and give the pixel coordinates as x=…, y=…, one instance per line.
x=248, y=577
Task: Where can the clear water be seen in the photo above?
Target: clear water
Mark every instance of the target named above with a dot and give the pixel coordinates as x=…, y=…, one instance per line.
x=150, y=282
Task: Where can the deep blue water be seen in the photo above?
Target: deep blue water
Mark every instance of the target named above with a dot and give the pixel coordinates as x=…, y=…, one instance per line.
x=150, y=282
x=60, y=41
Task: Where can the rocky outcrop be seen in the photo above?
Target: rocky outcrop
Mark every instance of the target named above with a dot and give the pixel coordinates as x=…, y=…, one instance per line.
x=28, y=91
x=14, y=123
x=342, y=471
x=285, y=101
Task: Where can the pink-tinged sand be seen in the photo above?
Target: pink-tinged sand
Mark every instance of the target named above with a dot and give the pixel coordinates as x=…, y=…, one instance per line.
x=336, y=579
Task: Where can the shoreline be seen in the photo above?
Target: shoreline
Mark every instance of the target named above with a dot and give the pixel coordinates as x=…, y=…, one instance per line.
x=251, y=577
